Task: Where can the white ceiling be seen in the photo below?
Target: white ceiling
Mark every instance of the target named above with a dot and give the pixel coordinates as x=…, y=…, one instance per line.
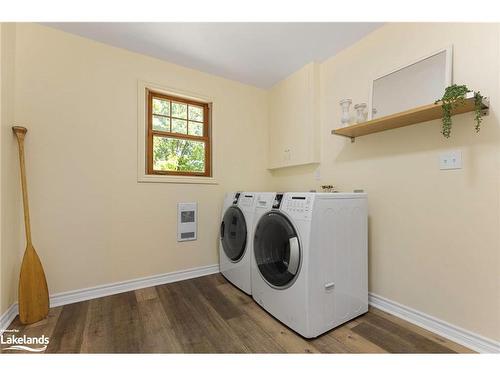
x=259, y=54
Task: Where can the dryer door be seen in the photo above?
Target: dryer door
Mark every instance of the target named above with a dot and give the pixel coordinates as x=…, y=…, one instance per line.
x=233, y=233
x=277, y=249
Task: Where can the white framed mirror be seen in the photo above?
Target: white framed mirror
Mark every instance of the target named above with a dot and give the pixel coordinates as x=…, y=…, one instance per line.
x=419, y=83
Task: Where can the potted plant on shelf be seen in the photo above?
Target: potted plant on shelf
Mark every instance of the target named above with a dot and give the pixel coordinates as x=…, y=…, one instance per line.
x=453, y=97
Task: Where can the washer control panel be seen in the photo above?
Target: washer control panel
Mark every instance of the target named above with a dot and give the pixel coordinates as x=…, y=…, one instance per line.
x=299, y=206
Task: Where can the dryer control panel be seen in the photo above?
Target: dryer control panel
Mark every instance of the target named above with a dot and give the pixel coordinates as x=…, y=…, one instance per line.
x=264, y=200
x=246, y=200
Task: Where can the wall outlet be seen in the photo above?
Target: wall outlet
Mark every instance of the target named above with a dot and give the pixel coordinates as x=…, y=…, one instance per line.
x=287, y=155
x=317, y=174
x=450, y=160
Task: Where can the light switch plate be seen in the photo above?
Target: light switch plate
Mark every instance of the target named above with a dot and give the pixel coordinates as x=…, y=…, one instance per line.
x=450, y=160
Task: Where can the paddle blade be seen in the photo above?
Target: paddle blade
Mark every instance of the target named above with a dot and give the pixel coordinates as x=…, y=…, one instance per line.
x=33, y=291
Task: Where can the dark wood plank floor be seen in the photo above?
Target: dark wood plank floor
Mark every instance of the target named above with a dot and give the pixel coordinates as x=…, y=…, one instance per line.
x=209, y=315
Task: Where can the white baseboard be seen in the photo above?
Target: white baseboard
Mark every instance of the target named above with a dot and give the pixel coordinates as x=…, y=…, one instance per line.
x=459, y=335
x=79, y=295
x=65, y=298
x=8, y=316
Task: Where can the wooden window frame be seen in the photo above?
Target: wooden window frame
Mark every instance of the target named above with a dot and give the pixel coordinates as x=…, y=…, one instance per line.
x=206, y=138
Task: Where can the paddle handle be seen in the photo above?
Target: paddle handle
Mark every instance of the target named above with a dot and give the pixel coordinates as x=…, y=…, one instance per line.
x=20, y=133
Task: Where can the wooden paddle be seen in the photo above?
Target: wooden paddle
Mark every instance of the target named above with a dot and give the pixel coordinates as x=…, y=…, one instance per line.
x=33, y=291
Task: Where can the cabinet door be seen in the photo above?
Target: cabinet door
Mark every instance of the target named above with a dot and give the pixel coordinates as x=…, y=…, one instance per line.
x=293, y=119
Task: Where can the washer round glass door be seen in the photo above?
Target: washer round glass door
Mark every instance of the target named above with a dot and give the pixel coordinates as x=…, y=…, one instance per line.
x=277, y=249
x=233, y=233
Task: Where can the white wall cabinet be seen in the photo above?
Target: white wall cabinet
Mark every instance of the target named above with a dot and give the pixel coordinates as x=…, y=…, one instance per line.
x=294, y=119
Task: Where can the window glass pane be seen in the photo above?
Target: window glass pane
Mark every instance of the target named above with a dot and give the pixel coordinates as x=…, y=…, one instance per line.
x=196, y=128
x=171, y=154
x=161, y=123
x=179, y=126
x=161, y=107
x=195, y=113
x=179, y=110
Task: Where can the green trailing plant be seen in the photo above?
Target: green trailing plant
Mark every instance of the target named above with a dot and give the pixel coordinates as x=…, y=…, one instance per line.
x=453, y=97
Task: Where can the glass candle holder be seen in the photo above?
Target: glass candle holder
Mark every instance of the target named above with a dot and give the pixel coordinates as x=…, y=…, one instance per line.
x=361, y=113
x=345, y=104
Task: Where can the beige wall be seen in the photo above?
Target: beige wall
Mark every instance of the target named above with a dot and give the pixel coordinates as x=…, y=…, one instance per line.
x=11, y=243
x=434, y=235
x=92, y=222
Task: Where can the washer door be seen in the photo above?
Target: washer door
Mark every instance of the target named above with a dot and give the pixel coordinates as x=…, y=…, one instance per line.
x=277, y=249
x=233, y=233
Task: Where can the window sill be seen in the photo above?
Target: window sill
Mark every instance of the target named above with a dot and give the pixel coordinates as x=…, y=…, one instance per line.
x=178, y=179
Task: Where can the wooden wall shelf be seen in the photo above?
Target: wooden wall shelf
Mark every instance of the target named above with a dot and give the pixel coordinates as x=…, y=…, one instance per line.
x=413, y=116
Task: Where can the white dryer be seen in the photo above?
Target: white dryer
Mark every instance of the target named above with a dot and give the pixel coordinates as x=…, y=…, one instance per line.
x=310, y=266
x=235, y=247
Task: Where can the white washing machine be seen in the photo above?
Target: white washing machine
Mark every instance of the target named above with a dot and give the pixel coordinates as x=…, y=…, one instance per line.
x=310, y=266
x=235, y=247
